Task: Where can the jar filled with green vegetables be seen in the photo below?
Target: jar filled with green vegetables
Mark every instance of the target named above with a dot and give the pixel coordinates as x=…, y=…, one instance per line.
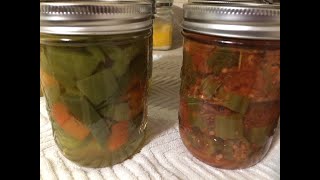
x=94, y=68
x=230, y=81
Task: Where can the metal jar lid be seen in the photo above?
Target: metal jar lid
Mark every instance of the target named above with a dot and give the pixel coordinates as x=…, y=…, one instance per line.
x=95, y=17
x=233, y=19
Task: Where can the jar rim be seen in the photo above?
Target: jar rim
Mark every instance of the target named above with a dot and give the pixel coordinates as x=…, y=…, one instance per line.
x=237, y=20
x=95, y=17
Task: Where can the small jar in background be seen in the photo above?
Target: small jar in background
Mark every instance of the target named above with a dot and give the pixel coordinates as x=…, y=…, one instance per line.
x=163, y=25
x=94, y=68
x=230, y=82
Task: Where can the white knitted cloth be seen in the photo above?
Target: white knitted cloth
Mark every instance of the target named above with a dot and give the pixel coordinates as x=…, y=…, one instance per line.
x=163, y=155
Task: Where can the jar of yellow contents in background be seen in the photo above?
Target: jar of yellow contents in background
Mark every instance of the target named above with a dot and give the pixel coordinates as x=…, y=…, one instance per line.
x=163, y=25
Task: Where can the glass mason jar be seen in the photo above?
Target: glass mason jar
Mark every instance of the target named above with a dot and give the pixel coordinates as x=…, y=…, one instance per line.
x=163, y=25
x=94, y=64
x=230, y=82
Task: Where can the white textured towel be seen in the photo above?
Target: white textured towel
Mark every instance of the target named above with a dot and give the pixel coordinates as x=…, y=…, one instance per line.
x=163, y=155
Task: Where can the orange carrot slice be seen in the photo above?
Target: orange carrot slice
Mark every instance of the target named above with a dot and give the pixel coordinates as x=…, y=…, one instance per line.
x=75, y=128
x=119, y=135
x=60, y=113
x=68, y=122
x=47, y=80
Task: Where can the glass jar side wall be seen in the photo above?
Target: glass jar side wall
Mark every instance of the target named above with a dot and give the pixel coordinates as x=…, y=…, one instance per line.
x=229, y=98
x=96, y=92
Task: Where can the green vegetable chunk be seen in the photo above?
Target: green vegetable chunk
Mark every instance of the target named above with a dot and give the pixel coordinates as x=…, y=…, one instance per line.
x=228, y=151
x=43, y=59
x=196, y=121
x=100, y=130
x=196, y=138
x=73, y=91
x=52, y=94
x=81, y=108
x=96, y=52
x=193, y=101
x=99, y=87
x=124, y=82
x=84, y=111
x=194, y=116
x=223, y=58
x=121, y=58
x=117, y=112
x=215, y=146
x=258, y=135
x=229, y=127
x=70, y=64
x=234, y=102
x=209, y=87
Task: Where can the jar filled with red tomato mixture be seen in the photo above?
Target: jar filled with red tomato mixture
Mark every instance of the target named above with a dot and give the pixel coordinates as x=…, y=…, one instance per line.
x=230, y=82
x=94, y=68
